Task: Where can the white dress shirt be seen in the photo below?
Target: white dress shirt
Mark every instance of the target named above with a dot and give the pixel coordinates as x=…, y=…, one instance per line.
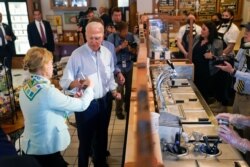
x=98, y=66
x=1, y=26
x=38, y=28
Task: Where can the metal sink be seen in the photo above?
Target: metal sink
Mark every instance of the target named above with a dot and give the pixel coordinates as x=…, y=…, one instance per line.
x=227, y=153
x=204, y=163
x=206, y=130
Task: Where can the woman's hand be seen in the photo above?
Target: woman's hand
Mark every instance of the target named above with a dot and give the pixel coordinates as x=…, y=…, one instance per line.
x=231, y=137
x=86, y=83
x=228, y=135
x=78, y=94
x=237, y=120
x=208, y=55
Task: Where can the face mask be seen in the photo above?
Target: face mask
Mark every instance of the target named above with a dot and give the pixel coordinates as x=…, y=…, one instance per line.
x=216, y=22
x=225, y=20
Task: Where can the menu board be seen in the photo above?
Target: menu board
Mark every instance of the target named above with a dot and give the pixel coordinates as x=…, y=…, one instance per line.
x=206, y=9
x=229, y=4
x=186, y=6
x=167, y=6
x=19, y=19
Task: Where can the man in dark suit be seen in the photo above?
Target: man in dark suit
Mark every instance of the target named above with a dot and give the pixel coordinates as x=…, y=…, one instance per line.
x=40, y=33
x=104, y=16
x=7, y=39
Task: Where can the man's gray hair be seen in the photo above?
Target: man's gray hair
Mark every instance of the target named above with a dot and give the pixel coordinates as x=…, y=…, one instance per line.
x=93, y=25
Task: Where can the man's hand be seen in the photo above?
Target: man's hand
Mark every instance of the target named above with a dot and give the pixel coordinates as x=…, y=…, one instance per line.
x=81, y=84
x=86, y=83
x=8, y=38
x=124, y=44
x=116, y=95
x=120, y=78
x=75, y=84
x=226, y=67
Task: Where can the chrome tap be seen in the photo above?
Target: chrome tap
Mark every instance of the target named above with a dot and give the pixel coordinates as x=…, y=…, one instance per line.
x=167, y=74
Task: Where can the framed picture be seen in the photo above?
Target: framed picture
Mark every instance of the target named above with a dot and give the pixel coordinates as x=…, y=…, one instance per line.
x=70, y=18
x=54, y=20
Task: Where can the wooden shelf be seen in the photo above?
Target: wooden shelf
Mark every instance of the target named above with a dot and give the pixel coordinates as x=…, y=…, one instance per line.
x=206, y=8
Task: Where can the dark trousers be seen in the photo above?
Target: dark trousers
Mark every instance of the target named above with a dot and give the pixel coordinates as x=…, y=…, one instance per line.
x=91, y=126
x=6, y=54
x=50, y=160
x=109, y=110
x=125, y=96
x=222, y=86
x=202, y=82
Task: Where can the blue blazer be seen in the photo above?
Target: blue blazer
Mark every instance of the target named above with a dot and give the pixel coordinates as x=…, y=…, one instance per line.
x=35, y=38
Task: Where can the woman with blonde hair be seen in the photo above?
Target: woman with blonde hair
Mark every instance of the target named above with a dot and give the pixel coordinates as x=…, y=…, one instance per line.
x=45, y=110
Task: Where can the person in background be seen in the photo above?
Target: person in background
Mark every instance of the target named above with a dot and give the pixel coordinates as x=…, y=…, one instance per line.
x=154, y=36
x=45, y=109
x=182, y=36
x=116, y=15
x=230, y=136
x=123, y=41
x=94, y=61
x=216, y=18
x=228, y=32
x=7, y=148
x=103, y=14
x=40, y=33
x=9, y=157
x=206, y=46
x=20, y=161
x=110, y=28
x=7, y=49
x=82, y=23
x=241, y=72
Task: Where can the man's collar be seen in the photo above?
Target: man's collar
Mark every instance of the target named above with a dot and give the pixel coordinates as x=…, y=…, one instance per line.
x=38, y=21
x=91, y=51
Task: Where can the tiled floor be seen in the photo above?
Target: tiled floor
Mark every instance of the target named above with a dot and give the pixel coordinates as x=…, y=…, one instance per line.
x=115, y=143
x=116, y=134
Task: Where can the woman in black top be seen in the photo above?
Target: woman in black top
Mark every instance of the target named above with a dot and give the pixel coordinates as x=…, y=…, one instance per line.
x=205, y=48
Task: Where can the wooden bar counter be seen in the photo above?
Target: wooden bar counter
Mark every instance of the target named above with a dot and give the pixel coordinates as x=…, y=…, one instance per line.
x=143, y=146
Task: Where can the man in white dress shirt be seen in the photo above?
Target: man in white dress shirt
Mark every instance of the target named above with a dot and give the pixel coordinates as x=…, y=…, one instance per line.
x=94, y=61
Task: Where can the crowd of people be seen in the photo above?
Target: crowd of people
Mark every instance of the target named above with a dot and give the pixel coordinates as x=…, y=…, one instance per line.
x=220, y=74
x=100, y=71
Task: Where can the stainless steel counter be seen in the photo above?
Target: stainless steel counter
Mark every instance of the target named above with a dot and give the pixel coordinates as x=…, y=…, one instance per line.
x=183, y=100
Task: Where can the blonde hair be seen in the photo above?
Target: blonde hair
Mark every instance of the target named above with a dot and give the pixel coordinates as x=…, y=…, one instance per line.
x=36, y=58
